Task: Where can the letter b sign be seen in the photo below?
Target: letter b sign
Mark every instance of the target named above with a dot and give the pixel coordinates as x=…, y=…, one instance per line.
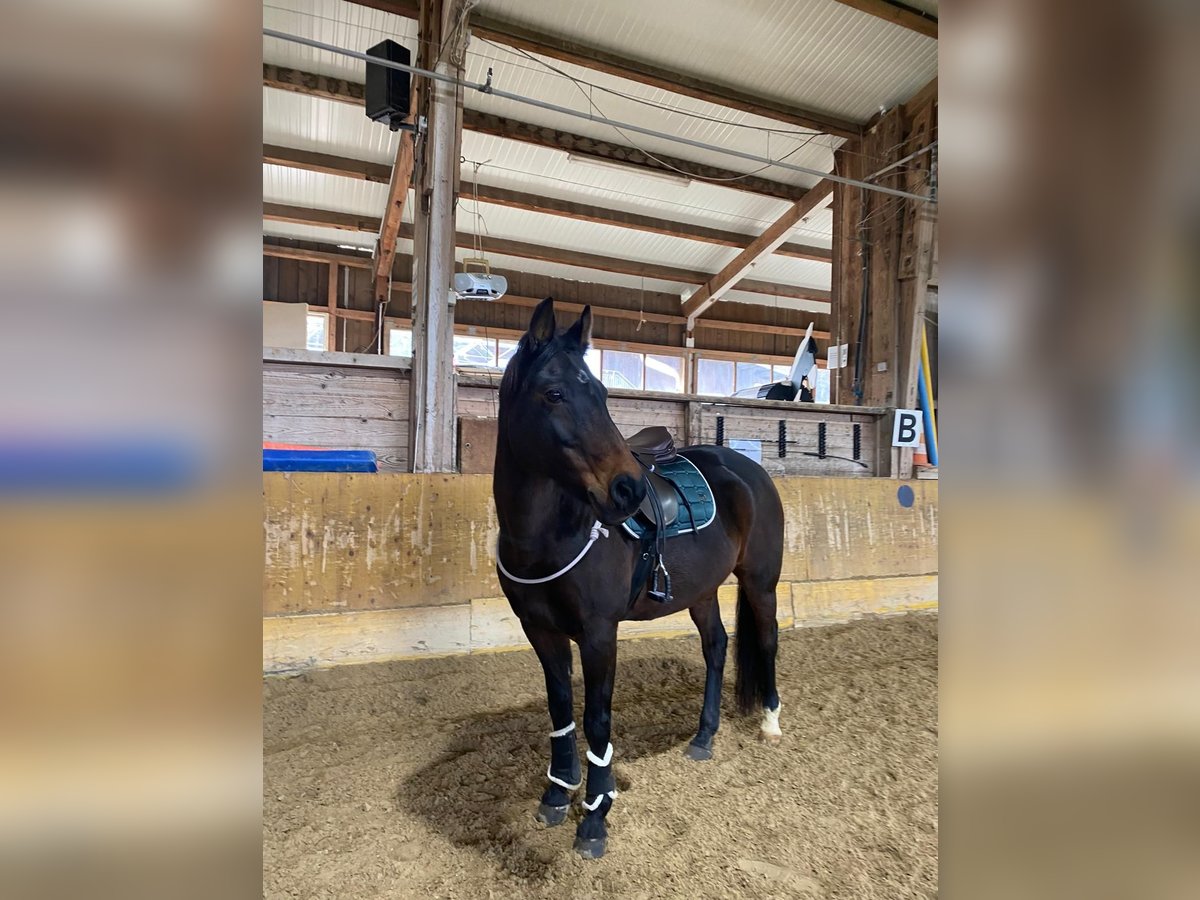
x=906, y=432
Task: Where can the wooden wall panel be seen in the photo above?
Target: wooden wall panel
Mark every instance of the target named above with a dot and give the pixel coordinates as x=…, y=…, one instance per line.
x=338, y=407
x=361, y=407
x=840, y=529
x=338, y=542
x=341, y=541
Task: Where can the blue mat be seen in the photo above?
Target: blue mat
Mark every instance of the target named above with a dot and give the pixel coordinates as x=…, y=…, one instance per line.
x=319, y=461
x=688, y=479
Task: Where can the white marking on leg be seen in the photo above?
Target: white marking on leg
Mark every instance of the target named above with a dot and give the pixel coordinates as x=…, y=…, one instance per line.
x=565, y=730
x=770, y=721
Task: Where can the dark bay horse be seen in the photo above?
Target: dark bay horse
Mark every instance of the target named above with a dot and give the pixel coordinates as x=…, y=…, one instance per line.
x=564, y=481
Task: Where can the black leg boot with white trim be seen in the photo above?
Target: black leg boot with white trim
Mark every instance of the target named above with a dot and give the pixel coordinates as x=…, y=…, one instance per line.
x=591, y=837
x=564, y=775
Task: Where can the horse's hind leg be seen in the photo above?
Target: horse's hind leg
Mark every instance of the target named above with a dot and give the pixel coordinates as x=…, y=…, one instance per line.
x=707, y=616
x=758, y=644
x=554, y=651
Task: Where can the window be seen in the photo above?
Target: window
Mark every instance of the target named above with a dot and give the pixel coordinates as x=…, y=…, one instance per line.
x=592, y=358
x=400, y=342
x=781, y=373
x=821, y=394
x=714, y=376
x=473, y=351
x=622, y=369
x=318, y=331
x=504, y=352
x=664, y=373
x=752, y=375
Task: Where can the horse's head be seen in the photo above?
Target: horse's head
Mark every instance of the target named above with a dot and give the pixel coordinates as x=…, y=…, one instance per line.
x=554, y=419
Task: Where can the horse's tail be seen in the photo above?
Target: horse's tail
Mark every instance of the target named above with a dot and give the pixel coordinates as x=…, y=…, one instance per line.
x=752, y=658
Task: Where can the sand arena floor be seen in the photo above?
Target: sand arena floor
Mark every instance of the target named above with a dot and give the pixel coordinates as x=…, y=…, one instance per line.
x=421, y=778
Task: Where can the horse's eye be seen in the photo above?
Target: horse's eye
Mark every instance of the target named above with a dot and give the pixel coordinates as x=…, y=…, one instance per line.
x=554, y=396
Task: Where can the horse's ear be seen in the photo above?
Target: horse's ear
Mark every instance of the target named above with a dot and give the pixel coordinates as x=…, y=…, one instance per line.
x=581, y=332
x=541, y=326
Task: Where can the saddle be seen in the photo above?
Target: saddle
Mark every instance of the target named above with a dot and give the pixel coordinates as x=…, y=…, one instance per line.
x=653, y=447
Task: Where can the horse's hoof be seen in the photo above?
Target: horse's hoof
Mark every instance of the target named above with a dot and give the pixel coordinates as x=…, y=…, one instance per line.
x=696, y=753
x=552, y=815
x=590, y=848
x=771, y=740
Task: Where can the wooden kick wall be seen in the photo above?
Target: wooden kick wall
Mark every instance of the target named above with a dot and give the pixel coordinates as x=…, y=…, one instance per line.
x=365, y=568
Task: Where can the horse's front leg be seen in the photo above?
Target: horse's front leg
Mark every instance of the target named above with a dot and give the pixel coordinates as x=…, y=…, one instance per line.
x=598, y=652
x=554, y=651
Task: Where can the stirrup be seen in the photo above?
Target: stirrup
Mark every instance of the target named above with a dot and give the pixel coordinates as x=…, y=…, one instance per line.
x=663, y=596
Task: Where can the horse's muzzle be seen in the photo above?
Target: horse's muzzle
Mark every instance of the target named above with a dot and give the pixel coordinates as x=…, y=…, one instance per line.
x=626, y=494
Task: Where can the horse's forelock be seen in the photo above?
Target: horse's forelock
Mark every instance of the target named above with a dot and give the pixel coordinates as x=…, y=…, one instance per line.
x=528, y=361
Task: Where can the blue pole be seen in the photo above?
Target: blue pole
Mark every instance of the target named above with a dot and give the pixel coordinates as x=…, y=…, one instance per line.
x=931, y=449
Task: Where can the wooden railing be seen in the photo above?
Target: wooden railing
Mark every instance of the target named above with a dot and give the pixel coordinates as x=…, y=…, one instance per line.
x=361, y=402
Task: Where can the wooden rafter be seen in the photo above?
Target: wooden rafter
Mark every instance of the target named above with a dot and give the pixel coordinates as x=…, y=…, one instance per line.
x=625, y=313
x=897, y=14
x=584, y=212
x=731, y=276
x=339, y=89
x=318, y=256
x=279, y=212
x=531, y=40
x=327, y=163
x=326, y=218
x=389, y=228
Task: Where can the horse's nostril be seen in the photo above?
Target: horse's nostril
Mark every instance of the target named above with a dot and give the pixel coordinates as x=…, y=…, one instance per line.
x=624, y=491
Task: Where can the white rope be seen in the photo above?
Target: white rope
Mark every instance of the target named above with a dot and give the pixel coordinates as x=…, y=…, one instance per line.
x=559, y=781
x=566, y=729
x=597, y=531
x=597, y=761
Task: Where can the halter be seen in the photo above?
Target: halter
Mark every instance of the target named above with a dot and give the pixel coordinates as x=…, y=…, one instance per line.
x=596, y=532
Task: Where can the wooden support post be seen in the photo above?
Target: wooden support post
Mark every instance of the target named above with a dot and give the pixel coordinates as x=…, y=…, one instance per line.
x=847, y=265
x=332, y=303
x=694, y=424
x=432, y=407
x=915, y=266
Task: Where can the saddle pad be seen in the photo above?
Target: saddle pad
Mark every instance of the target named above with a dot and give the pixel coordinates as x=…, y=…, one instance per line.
x=691, y=482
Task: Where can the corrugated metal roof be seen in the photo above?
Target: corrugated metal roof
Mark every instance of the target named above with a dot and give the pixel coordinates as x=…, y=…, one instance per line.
x=819, y=54
x=317, y=190
x=646, y=107
x=337, y=22
x=815, y=53
x=542, y=170
x=327, y=126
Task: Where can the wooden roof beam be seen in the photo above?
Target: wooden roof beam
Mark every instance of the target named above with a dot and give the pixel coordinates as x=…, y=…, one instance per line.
x=730, y=277
x=389, y=228
x=339, y=89
x=326, y=163
x=364, y=262
x=325, y=218
x=379, y=173
x=897, y=14
x=530, y=40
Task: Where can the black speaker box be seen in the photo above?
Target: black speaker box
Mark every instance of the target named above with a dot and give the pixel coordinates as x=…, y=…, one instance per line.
x=389, y=91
